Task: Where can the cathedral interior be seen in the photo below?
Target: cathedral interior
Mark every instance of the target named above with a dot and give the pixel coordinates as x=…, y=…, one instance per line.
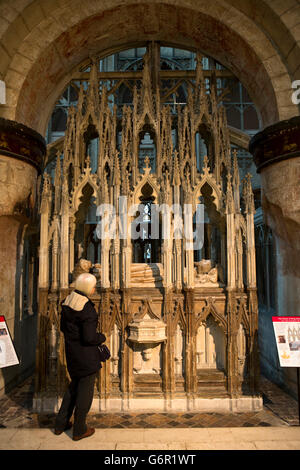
x=160, y=104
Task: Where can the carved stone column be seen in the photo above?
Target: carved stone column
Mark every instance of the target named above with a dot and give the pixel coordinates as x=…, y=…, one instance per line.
x=116, y=263
x=64, y=238
x=168, y=349
x=188, y=248
x=276, y=152
x=232, y=349
x=177, y=250
x=45, y=208
x=167, y=262
x=254, y=366
x=54, y=285
x=105, y=246
x=190, y=364
x=21, y=154
x=72, y=226
x=231, y=252
x=115, y=274
x=177, y=264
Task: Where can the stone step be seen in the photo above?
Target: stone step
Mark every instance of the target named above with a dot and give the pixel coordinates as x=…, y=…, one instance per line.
x=211, y=381
x=212, y=392
x=148, y=394
x=148, y=383
x=210, y=375
x=180, y=384
x=147, y=378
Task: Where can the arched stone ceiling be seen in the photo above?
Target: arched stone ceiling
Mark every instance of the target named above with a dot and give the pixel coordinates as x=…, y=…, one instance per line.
x=45, y=40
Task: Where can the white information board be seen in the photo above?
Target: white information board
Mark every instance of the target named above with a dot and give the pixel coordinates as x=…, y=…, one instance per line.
x=287, y=334
x=8, y=356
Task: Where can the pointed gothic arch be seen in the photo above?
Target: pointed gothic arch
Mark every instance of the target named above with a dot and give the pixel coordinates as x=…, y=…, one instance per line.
x=86, y=179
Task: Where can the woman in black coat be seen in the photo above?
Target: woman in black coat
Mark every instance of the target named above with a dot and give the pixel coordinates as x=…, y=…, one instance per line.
x=79, y=321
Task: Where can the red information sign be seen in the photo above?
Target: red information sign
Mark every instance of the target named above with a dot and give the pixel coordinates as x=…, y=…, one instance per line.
x=287, y=334
x=8, y=356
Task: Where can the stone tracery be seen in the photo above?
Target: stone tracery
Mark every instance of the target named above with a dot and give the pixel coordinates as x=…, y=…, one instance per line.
x=203, y=304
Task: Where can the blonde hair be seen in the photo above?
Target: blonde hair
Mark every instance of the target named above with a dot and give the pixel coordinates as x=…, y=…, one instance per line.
x=85, y=283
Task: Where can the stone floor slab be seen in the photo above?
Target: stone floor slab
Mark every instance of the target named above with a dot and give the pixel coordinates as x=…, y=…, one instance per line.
x=275, y=445
x=45, y=439
x=21, y=428
x=221, y=445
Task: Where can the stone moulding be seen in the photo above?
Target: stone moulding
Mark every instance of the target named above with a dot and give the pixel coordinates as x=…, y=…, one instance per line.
x=276, y=143
x=177, y=404
x=22, y=142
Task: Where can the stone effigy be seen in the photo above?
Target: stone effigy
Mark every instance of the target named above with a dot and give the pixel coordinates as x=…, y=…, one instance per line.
x=205, y=274
x=143, y=274
x=82, y=266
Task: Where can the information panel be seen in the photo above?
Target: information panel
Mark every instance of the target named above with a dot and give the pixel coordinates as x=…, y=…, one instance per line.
x=287, y=334
x=8, y=356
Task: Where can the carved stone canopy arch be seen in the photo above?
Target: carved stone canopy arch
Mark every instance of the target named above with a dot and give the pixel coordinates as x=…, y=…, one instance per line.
x=87, y=179
x=207, y=178
x=179, y=316
x=89, y=130
x=242, y=316
x=113, y=318
x=146, y=185
x=210, y=309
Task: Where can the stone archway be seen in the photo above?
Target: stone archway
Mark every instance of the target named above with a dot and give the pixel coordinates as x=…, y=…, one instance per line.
x=55, y=38
x=42, y=43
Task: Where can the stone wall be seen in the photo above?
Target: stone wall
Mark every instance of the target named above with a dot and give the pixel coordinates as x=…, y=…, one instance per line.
x=42, y=42
x=277, y=155
x=18, y=178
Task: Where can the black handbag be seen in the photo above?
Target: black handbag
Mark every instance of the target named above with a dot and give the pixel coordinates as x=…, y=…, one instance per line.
x=104, y=352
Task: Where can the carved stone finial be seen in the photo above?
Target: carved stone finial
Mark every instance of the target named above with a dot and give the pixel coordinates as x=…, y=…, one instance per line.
x=206, y=168
x=176, y=170
x=46, y=184
x=105, y=191
x=199, y=69
x=57, y=184
x=116, y=171
x=46, y=194
x=236, y=180
x=248, y=194
x=125, y=183
x=205, y=162
x=88, y=162
x=64, y=196
x=147, y=167
x=229, y=195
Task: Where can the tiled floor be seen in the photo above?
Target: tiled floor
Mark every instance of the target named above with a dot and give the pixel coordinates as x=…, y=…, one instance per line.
x=279, y=410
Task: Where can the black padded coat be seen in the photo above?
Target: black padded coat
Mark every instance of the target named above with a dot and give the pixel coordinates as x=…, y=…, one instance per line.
x=81, y=339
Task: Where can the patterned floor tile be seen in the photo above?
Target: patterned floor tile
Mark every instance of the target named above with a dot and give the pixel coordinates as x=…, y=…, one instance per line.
x=280, y=409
